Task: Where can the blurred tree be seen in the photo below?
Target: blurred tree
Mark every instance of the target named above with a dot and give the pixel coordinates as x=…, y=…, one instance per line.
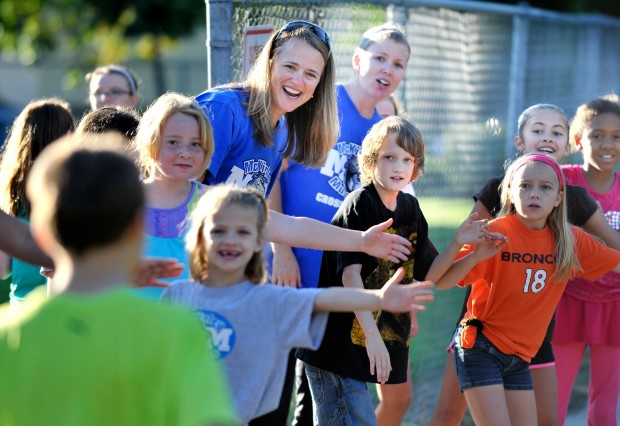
x=97, y=32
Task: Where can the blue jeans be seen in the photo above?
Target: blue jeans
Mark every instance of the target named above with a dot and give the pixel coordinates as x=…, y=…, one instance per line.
x=484, y=365
x=338, y=400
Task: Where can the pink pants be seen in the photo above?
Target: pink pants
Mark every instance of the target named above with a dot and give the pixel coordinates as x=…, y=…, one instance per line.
x=604, y=387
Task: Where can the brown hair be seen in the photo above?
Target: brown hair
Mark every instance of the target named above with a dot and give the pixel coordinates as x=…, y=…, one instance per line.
x=214, y=199
x=588, y=112
x=39, y=124
x=87, y=191
x=312, y=127
x=408, y=137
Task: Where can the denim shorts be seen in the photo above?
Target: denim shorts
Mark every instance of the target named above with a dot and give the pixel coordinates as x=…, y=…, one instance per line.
x=339, y=400
x=485, y=365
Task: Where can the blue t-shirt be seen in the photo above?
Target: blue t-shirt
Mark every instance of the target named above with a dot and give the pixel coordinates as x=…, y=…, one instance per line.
x=238, y=157
x=318, y=192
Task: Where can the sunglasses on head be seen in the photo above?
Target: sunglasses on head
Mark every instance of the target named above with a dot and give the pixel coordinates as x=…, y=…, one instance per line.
x=318, y=31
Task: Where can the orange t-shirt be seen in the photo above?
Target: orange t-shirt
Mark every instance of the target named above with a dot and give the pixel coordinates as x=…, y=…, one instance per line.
x=512, y=294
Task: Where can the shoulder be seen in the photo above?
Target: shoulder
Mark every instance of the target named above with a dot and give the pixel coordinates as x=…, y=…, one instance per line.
x=202, y=188
x=576, y=191
x=180, y=289
x=578, y=197
x=502, y=223
x=406, y=200
x=231, y=97
x=359, y=198
x=570, y=169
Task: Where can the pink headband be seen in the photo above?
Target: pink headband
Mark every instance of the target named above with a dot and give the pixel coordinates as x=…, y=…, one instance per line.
x=528, y=158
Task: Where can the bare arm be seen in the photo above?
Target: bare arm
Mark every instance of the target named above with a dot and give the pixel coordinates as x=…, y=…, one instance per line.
x=16, y=240
x=378, y=355
x=459, y=269
x=284, y=269
x=471, y=231
x=483, y=212
x=598, y=226
x=391, y=297
x=446, y=257
x=310, y=233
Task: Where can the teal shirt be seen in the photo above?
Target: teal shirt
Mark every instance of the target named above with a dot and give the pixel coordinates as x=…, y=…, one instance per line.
x=26, y=276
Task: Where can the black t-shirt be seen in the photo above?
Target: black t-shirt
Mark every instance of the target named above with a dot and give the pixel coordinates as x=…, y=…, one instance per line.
x=343, y=348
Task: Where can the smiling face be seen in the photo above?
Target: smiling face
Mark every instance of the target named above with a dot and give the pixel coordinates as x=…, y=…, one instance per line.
x=535, y=192
x=231, y=238
x=381, y=67
x=296, y=70
x=600, y=142
x=109, y=90
x=393, y=170
x=544, y=132
x=180, y=154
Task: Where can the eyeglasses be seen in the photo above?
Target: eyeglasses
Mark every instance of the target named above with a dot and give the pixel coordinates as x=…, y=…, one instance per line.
x=318, y=31
x=114, y=93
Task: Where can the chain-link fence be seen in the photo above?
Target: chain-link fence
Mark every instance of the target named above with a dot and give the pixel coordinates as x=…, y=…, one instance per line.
x=474, y=67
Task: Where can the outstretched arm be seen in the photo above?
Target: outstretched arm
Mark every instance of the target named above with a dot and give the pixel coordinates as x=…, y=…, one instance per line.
x=471, y=231
x=310, y=233
x=459, y=268
x=16, y=240
x=393, y=297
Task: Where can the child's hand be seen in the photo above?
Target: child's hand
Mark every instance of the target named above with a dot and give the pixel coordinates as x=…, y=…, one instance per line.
x=150, y=269
x=405, y=297
x=472, y=231
x=284, y=267
x=379, y=357
x=378, y=243
x=488, y=248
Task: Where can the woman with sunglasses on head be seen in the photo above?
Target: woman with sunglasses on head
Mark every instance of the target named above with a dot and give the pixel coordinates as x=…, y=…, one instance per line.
x=285, y=107
x=112, y=85
x=379, y=63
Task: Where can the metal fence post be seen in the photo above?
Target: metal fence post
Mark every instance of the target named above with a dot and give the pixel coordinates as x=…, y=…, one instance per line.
x=219, y=41
x=516, y=82
x=398, y=15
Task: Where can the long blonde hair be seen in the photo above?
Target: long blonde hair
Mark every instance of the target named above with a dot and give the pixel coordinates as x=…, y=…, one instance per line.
x=147, y=142
x=313, y=127
x=566, y=261
x=210, y=203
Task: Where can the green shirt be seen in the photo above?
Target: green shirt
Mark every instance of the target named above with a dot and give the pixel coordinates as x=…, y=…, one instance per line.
x=107, y=359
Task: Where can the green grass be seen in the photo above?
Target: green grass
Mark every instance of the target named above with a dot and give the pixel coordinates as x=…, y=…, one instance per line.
x=444, y=215
x=437, y=324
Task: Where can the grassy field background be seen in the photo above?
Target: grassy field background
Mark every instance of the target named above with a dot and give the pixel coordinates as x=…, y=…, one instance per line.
x=437, y=324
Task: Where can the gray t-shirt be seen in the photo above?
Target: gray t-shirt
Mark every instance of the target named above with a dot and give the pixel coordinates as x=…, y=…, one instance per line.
x=252, y=329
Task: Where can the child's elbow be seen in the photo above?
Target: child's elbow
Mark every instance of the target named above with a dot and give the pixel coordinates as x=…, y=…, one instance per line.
x=443, y=284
